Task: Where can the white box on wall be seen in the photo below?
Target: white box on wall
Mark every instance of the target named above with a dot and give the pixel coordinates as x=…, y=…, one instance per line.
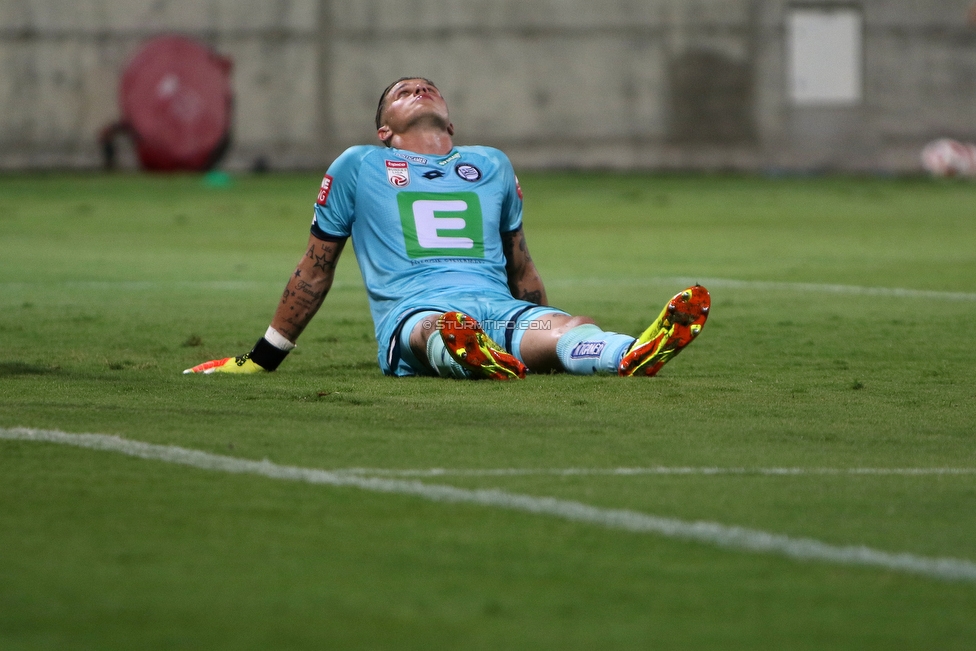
x=825, y=46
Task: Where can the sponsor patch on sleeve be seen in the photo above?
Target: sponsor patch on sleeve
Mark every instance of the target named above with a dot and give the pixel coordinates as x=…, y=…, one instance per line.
x=324, y=190
x=518, y=188
x=397, y=171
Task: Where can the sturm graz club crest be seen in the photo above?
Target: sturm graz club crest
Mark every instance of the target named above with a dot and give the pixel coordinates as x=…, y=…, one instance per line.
x=468, y=172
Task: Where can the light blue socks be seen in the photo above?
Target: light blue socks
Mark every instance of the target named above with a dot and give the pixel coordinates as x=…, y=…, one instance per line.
x=441, y=360
x=583, y=350
x=587, y=350
x=437, y=355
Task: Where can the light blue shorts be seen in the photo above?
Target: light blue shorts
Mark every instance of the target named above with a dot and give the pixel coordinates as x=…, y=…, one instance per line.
x=503, y=318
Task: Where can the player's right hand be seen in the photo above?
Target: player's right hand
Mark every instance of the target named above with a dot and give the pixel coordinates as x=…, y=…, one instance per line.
x=242, y=364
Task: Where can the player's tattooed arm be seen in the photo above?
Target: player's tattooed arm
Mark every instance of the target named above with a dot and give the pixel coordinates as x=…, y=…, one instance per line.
x=524, y=280
x=307, y=287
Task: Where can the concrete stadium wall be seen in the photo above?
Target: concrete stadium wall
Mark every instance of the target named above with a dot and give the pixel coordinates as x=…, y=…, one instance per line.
x=659, y=84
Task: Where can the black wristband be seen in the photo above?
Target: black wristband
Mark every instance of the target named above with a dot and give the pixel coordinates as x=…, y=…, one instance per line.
x=267, y=356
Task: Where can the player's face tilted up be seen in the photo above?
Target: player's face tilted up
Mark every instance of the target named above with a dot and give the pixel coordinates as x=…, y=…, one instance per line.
x=412, y=106
x=453, y=290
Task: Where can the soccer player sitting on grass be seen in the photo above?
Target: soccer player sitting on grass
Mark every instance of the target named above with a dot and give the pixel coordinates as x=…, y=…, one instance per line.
x=453, y=291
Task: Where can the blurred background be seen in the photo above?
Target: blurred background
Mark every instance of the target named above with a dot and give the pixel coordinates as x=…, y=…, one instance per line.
x=754, y=85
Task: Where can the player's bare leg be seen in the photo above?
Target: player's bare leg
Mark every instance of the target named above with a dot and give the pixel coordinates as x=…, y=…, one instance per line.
x=419, y=336
x=538, y=349
x=454, y=345
x=577, y=345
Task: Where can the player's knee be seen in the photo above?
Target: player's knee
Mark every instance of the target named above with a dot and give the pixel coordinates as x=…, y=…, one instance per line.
x=573, y=322
x=579, y=320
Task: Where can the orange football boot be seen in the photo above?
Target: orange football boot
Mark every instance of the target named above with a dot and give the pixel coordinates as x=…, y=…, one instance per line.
x=677, y=326
x=474, y=350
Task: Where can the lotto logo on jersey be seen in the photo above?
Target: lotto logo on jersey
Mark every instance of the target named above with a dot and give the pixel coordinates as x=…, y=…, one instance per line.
x=324, y=190
x=398, y=172
x=442, y=224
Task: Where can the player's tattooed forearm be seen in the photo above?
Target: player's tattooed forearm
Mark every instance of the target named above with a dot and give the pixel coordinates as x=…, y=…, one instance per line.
x=296, y=329
x=304, y=294
x=327, y=260
x=303, y=307
x=532, y=296
x=329, y=256
x=307, y=297
x=306, y=289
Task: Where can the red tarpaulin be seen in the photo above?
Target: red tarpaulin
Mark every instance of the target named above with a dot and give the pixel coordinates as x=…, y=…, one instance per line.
x=176, y=102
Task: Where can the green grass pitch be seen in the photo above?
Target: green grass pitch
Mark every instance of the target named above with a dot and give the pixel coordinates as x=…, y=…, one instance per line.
x=841, y=337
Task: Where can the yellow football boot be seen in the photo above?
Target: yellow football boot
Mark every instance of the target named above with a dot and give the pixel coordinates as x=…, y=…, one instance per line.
x=677, y=326
x=474, y=350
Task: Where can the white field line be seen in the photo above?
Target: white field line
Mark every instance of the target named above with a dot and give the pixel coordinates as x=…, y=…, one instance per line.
x=658, y=470
x=753, y=285
x=711, y=283
x=730, y=537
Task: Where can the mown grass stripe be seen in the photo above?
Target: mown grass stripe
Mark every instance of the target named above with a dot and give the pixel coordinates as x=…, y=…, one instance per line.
x=711, y=283
x=729, y=537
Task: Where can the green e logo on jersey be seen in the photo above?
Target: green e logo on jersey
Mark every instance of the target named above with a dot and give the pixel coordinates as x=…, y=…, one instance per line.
x=437, y=224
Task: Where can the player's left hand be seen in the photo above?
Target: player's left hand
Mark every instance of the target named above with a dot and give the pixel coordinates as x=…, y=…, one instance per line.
x=242, y=364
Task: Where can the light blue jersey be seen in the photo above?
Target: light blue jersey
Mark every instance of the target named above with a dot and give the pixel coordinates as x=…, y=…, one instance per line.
x=426, y=229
